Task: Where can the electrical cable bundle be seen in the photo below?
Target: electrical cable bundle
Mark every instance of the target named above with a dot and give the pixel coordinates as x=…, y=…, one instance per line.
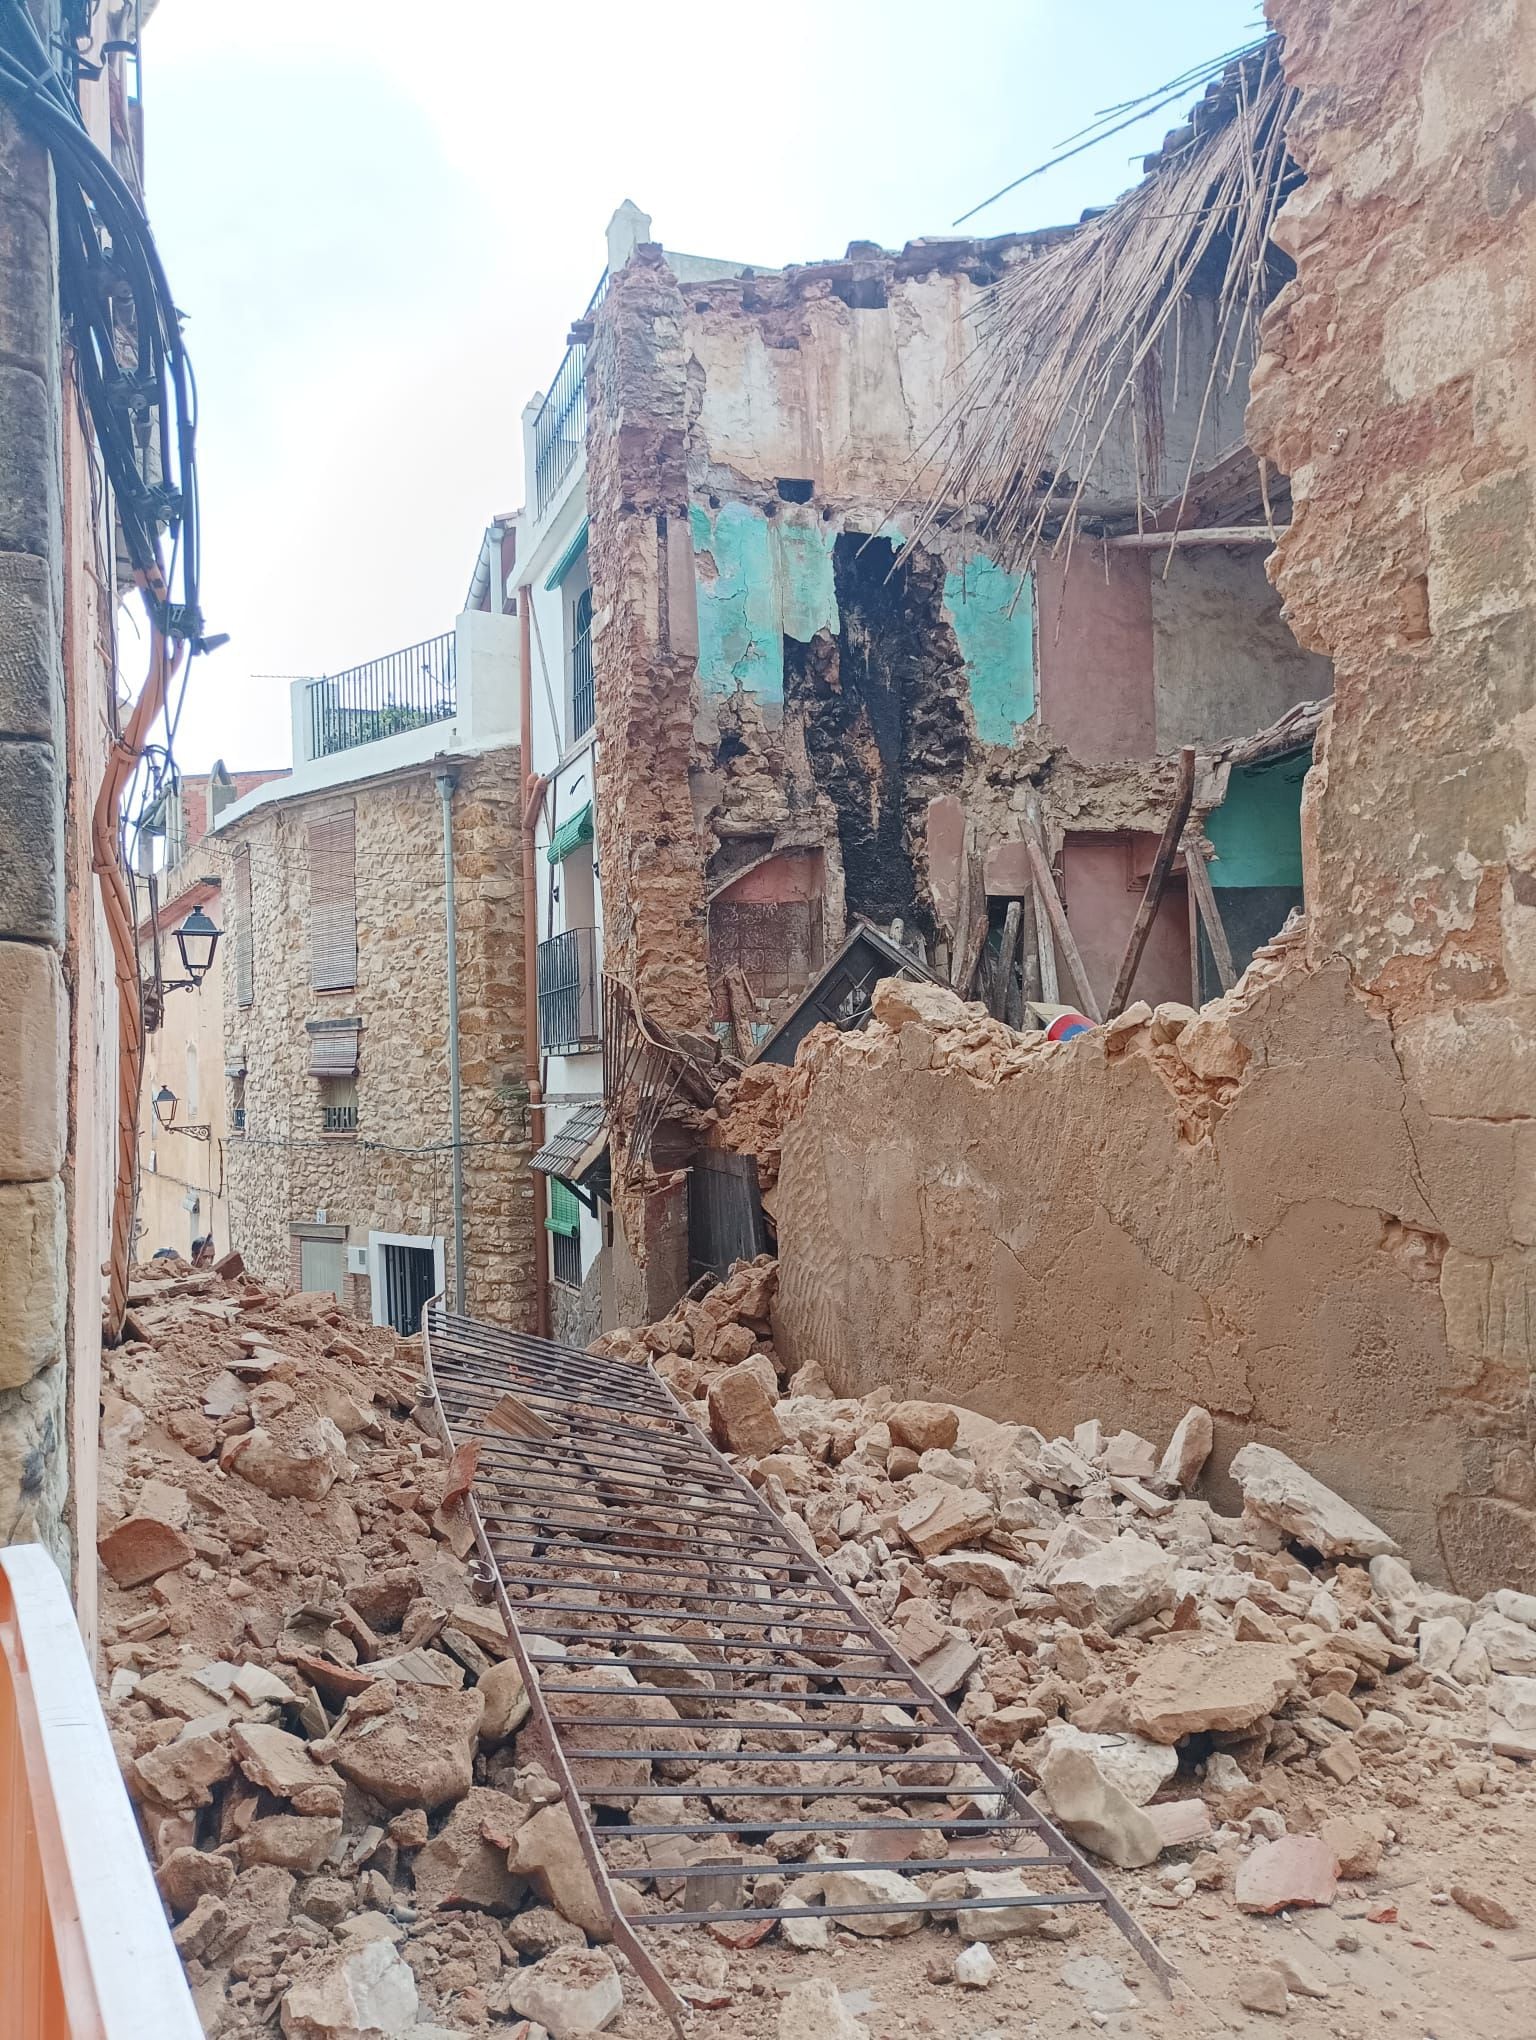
x=132, y=365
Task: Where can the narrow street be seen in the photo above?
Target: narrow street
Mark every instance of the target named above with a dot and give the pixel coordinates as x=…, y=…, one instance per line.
x=766, y=1147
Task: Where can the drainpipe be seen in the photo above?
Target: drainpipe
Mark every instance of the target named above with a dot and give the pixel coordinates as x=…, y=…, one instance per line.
x=446, y=782
x=533, y=787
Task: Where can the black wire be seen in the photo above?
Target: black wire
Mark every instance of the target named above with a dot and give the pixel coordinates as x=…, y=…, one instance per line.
x=113, y=289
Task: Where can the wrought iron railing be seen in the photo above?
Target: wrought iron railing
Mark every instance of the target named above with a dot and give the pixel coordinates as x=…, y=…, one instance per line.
x=570, y=992
x=560, y=429
x=583, y=679
x=237, y=1118
x=404, y=690
x=565, y=1259
x=338, y=1119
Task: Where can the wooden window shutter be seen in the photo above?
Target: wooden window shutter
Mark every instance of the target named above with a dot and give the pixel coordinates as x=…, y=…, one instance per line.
x=332, y=903
x=245, y=989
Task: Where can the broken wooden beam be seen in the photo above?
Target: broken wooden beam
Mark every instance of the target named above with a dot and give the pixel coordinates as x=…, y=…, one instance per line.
x=1203, y=893
x=1157, y=882
x=1048, y=904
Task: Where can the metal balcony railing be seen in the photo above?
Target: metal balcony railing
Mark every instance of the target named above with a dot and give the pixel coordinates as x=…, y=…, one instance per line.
x=404, y=690
x=338, y=1119
x=583, y=679
x=560, y=430
x=570, y=979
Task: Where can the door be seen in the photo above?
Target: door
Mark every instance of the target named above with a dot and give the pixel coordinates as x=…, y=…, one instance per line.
x=323, y=1265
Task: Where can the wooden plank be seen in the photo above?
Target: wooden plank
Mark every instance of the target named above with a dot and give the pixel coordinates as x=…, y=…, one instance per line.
x=1048, y=901
x=1157, y=882
x=1030, y=958
x=1012, y=920
x=743, y=1007
x=1203, y=893
x=975, y=932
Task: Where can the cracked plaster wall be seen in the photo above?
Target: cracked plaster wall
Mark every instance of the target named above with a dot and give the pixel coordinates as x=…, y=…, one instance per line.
x=1337, y=1250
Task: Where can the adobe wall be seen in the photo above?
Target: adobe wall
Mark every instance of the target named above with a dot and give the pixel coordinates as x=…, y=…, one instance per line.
x=1325, y=1227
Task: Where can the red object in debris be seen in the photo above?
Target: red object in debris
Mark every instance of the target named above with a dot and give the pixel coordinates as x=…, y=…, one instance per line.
x=1382, y=1915
x=1065, y=1025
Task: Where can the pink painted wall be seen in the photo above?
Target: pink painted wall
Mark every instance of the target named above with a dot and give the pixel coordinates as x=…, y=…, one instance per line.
x=1094, y=632
x=1103, y=878
x=793, y=875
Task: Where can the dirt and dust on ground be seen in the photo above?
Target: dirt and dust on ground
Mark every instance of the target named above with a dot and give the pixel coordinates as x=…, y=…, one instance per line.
x=1307, y=1775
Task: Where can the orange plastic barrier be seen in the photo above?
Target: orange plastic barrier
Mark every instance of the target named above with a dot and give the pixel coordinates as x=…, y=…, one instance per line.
x=85, y=1952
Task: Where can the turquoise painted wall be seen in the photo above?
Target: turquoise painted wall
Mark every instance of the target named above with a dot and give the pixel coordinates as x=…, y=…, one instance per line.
x=771, y=578
x=992, y=613
x=1257, y=829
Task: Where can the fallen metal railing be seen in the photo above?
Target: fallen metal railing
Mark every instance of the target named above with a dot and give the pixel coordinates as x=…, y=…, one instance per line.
x=615, y=1531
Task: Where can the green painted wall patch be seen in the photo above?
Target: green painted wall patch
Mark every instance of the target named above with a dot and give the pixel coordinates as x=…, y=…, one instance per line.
x=992, y=614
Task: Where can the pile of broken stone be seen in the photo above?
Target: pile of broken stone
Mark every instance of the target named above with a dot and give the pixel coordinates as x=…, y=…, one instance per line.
x=311, y=1692
x=1237, y=1700
x=318, y=1717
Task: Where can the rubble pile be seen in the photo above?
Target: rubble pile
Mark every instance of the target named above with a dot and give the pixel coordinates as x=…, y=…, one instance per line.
x=310, y=1691
x=327, y=1739
x=1240, y=1701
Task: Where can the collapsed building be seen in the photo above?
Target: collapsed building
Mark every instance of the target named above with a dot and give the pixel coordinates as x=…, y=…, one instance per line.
x=829, y=705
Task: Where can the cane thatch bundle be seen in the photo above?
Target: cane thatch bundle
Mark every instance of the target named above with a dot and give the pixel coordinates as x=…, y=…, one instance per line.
x=1072, y=345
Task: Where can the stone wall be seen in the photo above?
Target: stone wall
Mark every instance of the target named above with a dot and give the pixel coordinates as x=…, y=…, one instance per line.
x=57, y=1057
x=396, y=1174
x=1313, y=1213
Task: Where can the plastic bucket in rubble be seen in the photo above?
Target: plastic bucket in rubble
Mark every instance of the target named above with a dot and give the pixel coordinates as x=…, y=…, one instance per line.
x=1066, y=1024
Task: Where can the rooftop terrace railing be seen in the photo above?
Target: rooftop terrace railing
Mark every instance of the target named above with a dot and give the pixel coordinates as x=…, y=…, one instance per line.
x=404, y=690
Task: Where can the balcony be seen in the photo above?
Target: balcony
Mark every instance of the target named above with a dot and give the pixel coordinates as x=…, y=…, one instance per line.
x=570, y=979
x=560, y=429
x=404, y=690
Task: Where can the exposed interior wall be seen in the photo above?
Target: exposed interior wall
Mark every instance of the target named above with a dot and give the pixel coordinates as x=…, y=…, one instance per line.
x=1103, y=881
x=1224, y=660
x=1313, y=1212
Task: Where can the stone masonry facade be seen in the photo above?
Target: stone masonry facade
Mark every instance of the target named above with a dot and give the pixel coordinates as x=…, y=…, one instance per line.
x=1311, y=1209
x=395, y=1174
x=57, y=600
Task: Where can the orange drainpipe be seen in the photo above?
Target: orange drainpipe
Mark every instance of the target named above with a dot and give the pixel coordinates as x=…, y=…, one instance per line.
x=533, y=789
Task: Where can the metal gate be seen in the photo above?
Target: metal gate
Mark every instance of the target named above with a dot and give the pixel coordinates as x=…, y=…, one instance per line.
x=680, y=1645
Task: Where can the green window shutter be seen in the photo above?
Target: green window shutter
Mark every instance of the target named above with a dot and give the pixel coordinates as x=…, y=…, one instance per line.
x=564, y=1209
x=571, y=835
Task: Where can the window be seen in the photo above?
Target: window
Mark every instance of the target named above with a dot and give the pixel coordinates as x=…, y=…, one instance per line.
x=333, y=903
x=237, y=1104
x=338, y=1104
x=244, y=972
x=583, y=678
x=563, y=1224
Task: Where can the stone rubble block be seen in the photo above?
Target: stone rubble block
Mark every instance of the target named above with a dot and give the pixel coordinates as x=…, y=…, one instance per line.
x=1115, y=1585
x=1284, y=1494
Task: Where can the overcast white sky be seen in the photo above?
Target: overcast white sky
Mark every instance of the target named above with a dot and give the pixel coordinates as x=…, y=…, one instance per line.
x=380, y=220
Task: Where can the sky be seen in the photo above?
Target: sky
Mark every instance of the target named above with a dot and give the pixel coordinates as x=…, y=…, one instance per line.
x=380, y=220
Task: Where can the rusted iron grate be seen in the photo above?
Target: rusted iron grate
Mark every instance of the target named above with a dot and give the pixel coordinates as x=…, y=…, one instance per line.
x=701, y=1684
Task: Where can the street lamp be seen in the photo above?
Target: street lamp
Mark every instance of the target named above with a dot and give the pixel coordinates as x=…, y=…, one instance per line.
x=197, y=938
x=165, y=1103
